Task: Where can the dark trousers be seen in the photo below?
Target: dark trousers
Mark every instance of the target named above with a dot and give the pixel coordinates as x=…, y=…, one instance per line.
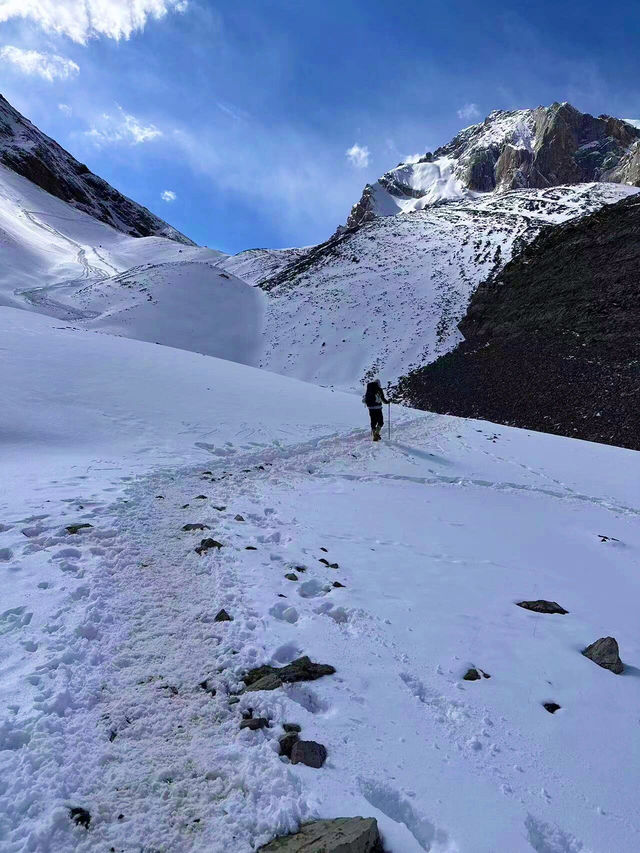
x=377, y=420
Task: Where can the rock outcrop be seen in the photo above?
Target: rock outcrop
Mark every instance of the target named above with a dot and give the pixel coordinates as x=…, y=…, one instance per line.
x=26, y=150
x=605, y=653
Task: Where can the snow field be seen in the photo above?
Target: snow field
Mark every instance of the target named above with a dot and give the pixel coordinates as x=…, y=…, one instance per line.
x=437, y=535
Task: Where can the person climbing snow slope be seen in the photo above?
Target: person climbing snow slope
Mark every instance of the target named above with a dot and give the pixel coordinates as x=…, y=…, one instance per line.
x=374, y=399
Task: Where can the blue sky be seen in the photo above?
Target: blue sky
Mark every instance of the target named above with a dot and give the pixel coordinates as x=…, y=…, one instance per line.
x=245, y=111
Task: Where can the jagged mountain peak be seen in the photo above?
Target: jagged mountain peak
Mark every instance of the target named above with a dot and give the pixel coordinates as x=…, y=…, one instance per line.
x=510, y=149
x=29, y=152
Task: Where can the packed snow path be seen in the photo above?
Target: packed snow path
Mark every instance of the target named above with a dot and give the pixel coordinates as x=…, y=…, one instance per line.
x=436, y=535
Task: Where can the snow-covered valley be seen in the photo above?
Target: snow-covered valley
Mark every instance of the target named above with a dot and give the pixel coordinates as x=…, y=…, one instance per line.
x=111, y=655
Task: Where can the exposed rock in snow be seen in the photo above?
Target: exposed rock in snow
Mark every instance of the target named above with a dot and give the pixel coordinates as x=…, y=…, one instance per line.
x=542, y=606
x=340, y=835
x=605, y=653
x=308, y=752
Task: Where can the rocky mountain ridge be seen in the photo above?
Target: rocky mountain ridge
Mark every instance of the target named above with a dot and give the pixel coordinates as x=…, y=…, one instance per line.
x=29, y=152
x=552, y=342
x=510, y=149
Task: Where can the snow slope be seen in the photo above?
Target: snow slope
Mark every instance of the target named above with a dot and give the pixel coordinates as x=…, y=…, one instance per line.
x=107, y=634
x=61, y=262
x=387, y=296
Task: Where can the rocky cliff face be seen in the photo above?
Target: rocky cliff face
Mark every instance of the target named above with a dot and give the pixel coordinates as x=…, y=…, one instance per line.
x=509, y=150
x=27, y=151
x=552, y=343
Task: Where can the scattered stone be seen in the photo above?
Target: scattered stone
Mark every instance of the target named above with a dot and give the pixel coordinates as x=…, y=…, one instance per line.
x=308, y=752
x=271, y=677
x=301, y=569
x=207, y=472
x=328, y=564
x=291, y=727
x=475, y=674
x=220, y=508
x=337, y=584
x=74, y=528
x=542, y=606
x=607, y=538
x=255, y=723
x=207, y=544
x=160, y=497
x=290, y=576
x=233, y=700
x=605, y=653
x=551, y=707
x=238, y=518
x=196, y=526
x=205, y=686
x=281, y=595
x=251, y=548
x=80, y=816
x=223, y=616
x=184, y=506
x=326, y=550
x=287, y=743
x=200, y=498
x=340, y=835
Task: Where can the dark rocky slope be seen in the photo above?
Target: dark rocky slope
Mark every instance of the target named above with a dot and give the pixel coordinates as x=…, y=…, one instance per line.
x=26, y=150
x=552, y=343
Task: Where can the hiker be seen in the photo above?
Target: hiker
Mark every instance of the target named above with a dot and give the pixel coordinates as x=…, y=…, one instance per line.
x=373, y=400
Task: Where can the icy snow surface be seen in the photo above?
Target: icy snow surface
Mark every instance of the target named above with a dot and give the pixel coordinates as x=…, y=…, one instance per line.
x=106, y=634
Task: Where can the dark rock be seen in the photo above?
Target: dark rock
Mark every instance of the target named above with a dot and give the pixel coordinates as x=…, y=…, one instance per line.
x=80, y=816
x=606, y=654
x=223, y=616
x=308, y=752
x=291, y=727
x=200, y=498
x=326, y=550
x=207, y=544
x=328, y=564
x=238, y=518
x=184, y=506
x=300, y=568
x=542, y=606
x=220, y=508
x=290, y=576
x=287, y=743
x=196, y=526
x=270, y=677
x=251, y=548
x=340, y=835
x=205, y=686
x=160, y=497
x=337, y=585
x=551, y=707
x=472, y=675
x=255, y=723
x=233, y=700
x=74, y=528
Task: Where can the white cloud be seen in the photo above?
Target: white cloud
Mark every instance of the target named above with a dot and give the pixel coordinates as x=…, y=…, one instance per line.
x=65, y=108
x=168, y=195
x=413, y=158
x=49, y=66
x=358, y=155
x=82, y=20
x=121, y=127
x=468, y=112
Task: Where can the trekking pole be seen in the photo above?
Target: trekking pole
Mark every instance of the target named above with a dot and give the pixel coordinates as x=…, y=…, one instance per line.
x=389, y=411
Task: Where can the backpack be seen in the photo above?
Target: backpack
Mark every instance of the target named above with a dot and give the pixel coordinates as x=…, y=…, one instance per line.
x=371, y=394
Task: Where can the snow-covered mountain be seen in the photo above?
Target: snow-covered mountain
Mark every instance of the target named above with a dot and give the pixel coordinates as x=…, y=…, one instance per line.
x=510, y=149
x=386, y=296
x=60, y=261
x=29, y=152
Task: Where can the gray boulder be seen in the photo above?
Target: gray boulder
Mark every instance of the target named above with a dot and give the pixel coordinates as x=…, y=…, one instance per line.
x=542, y=606
x=341, y=835
x=605, y=653
x=308, y=752
x=271, y=677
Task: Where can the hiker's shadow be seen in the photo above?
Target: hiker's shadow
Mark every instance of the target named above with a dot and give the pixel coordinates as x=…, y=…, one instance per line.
x=427, y=455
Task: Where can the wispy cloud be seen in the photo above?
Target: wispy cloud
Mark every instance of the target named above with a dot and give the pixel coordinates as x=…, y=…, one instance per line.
x=121, y=127
x=413, y=158
x=82, y=20
x=168, y=195
x=469, y=112
x=65, y=109
x=49, y=66
x=359, y=155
